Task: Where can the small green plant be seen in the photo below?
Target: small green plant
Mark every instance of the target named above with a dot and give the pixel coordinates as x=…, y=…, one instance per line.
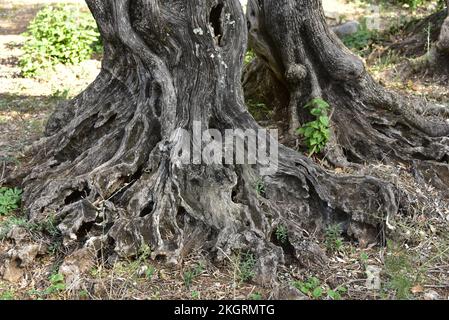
x=59, y=34
x=364, y=257
x=144, y=253
x=61, y=94
x=260, y=188
x=317, y=132
x=259, y=110
x=191, y=274
x=246, y=267
x=255, y=296
x=149, y=273
x=400, y=271
x=57, y=284
x=249, y=56
x=336, y=294
x=362, y=41
x=282, y=234
x=311, y=287
x=333, y=238
x=9, y=200
x=7, y=295
x=83, y=294
x=195, y=294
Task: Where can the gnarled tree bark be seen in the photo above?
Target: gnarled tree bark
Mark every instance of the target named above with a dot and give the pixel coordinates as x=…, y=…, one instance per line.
x=106, y=168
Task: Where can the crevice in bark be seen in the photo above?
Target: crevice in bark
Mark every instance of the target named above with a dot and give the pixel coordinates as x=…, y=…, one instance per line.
x=216, y=17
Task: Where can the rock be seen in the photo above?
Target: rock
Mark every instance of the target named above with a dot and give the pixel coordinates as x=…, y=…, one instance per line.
x=75, y=265
x=142, y=271
x=27, y=254
x=373, y=277
x=19, y=258
x=13, y=273
x=432, y=295
x=18, y=234
x=346, y=29
x=288, y=292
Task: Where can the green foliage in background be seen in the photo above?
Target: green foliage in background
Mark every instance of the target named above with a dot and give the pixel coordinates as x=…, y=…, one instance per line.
x=9, y=200
x=59, y=34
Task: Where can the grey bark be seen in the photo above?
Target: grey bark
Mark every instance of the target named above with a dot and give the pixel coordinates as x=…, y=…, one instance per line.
x=105, y=170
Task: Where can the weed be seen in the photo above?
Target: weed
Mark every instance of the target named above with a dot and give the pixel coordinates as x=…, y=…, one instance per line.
x=246, y=267
x=282, y=234
x=400, y=271
x=149, y=273
x=255, y=296
x=313, y=288
x=83, y=294
x=61, y=94
x=364, y=257
x=249, y=56
x=336, y=294
x=9, y=200
x=191, y=274
x=7, y=295
x=317, y=132
x=195, y=294
x=333, y=238
x=362, y=41
x=259, y=110
x=57, y=285
x=260, y=188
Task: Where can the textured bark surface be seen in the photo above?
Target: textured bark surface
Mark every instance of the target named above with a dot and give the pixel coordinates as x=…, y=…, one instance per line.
x=369, y=123
x=105, y=167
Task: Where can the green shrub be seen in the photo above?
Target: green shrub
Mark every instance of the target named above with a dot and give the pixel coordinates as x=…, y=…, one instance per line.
x=59, y=34
x=9, y=200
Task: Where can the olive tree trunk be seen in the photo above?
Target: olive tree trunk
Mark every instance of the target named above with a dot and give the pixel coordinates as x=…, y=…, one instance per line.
x=106, y=171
